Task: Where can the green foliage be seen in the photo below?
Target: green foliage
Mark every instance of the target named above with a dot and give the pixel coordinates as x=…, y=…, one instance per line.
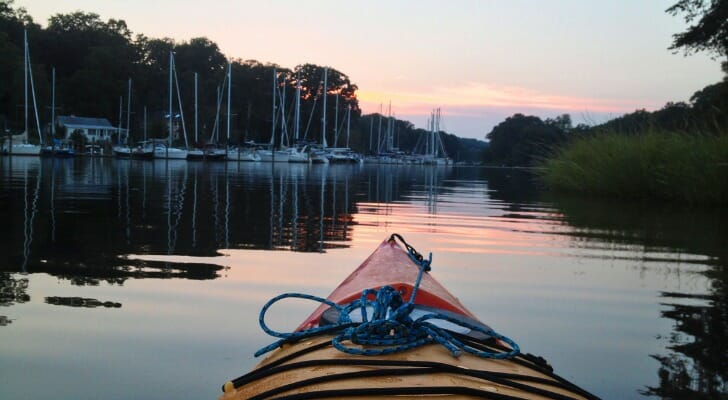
x=78, y=139
x=710, y=107
x=709, y=31
x=707, y=113
x=654, y=165
x=524, y=140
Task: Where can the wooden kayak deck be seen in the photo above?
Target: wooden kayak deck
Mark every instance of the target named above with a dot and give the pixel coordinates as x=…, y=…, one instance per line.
x=313, y=369
x=308, y=366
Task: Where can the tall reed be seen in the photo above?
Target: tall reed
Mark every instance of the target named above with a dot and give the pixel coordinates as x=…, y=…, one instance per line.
x=654, y=165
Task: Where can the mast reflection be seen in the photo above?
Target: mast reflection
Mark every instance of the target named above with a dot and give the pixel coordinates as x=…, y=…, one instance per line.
x=90, y=213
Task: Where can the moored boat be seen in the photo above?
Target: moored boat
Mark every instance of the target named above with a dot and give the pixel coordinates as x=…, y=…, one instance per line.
x=247, y=154
x=390, y=329
x=60, y=152
x=162, y=151
x=143, y=151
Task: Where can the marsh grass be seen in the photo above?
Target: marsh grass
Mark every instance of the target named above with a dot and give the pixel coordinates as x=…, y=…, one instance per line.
x=654, y=165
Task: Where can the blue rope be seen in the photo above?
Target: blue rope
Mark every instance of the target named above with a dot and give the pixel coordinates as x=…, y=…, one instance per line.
x=389, y=327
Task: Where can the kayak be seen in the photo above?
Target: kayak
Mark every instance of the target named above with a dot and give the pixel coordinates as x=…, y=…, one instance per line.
x=390, y=329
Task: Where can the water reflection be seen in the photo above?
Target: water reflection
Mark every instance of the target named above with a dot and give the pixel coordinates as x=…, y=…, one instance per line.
x=80, y=302
x=695, y=367
x=648, y=228
x=13, y=289
x=87, y=222
x=75, y=217
x=695, y=362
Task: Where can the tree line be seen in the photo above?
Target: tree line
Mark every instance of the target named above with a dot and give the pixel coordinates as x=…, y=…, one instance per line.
x=523, y=140
x=94, y=60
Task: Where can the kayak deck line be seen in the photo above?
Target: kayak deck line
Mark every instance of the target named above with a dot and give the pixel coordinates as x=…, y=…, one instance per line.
x=390, y=329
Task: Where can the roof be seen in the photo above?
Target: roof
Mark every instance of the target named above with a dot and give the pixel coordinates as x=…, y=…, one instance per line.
x=84, y=122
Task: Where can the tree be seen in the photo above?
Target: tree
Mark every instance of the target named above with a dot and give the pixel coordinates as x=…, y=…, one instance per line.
x=78, y=139
x=674, y=117
x=523, y=140
x=562, y=122
x=710, y=107
x=709, y=31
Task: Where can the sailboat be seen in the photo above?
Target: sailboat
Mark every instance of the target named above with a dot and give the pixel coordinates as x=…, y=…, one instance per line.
x=167, y=151
x=195, y=153
x=145, y=149
x=142, y=150
x=298, y=154
x=211, y=151
x=343, y=155
x=246, y=153
x=58, y=148
x=24, y=147
x=318, y=155
x=435, y=152
x=271, y=154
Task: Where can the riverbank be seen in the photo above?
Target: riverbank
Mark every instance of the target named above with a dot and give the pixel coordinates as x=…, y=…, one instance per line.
x=655, y=165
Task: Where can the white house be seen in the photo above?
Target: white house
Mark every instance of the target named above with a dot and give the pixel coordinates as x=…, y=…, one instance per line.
x=95, y=129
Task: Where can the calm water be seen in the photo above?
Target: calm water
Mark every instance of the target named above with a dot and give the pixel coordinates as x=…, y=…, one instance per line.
x=133, y=279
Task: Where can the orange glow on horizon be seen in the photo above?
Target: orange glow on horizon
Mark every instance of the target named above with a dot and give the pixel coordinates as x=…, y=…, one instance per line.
x=472, y=98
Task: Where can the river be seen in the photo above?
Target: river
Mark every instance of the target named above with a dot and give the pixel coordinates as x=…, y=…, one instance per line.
x=143, y=279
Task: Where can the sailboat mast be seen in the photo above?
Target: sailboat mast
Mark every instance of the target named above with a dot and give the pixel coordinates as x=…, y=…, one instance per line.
x=145, y=123
x=181, y=110
x=348, y=124
x=323, y=124
x=171, y=65
x=432, y=137
x=118, y=130
x=284, y=131
x=429, y=137
x=128, y=113
x=25, y=66
x=273, y=114
x=336, y=121
x=439, y=138
x=390, y=123
x=229, y=100
x=32, y=92
x=379, y=132
x=53, y=106
x=196, y=140
x=298, y=105
x=216, y=125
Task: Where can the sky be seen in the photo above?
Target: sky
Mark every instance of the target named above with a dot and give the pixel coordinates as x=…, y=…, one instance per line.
x=479, y=61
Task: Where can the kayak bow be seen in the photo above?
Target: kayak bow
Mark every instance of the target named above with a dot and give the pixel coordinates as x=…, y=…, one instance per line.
x=390, y=329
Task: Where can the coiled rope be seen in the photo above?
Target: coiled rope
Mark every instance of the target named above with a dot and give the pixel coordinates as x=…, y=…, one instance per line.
x=389, y=328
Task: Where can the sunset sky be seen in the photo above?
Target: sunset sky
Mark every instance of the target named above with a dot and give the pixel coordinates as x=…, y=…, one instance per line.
x=479, y=61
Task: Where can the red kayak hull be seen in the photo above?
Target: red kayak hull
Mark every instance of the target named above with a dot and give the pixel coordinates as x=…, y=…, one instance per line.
x=390, y=265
